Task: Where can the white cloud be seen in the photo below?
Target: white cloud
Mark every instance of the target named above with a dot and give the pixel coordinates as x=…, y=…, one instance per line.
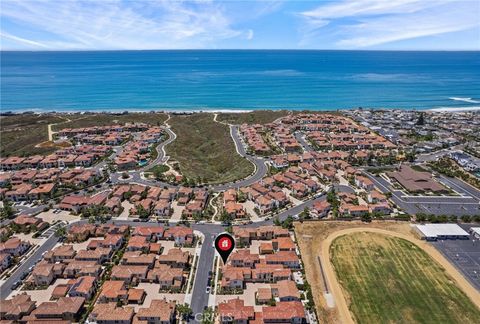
x=367, y=23
x=118, y=24
x=21, y=40
x=250, y=34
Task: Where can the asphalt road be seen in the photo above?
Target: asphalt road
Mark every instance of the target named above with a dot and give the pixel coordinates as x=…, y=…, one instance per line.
x=199, y=295
x=301, y=139
x=161, y=154
x=457, y=206
x=6, y=287
x=205, y=263
x=433, y=156
x=260, y=167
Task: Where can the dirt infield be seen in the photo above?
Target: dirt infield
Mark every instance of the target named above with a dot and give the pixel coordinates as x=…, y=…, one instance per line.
x=315, y=238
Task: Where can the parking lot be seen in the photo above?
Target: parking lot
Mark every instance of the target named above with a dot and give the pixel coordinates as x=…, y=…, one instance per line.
x=465, y=255
x=465, y=204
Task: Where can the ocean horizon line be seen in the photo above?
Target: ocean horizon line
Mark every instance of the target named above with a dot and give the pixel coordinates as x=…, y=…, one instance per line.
x=238, y=50
x=222, y=110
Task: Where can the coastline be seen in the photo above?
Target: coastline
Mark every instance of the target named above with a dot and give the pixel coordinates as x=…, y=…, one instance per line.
x=119, y=111
x=455, y=109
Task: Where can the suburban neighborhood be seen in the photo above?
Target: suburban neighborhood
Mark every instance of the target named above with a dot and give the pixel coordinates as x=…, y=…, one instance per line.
x=107, y=229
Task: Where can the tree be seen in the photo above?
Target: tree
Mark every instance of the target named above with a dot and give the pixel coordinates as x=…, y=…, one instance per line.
x=7, y=210
x=208, y=316
x=225, y=217
x=61, y=232
x=142, y=212
x=125, y=175
x=332, y=199
x=305, y=214
x=366, y=218
x=288, y=222
x=184, y=311
x=420, y=217
x=421, y=120
x=276, y=221
x=466, y=218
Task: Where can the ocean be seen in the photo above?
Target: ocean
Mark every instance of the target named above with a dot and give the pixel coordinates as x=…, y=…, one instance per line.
x=237, y=79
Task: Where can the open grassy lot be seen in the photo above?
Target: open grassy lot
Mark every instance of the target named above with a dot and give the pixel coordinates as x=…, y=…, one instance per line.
x=391, y=280
x=104, y=119
x=254, y=117
x=19, y=134
x=205, y=150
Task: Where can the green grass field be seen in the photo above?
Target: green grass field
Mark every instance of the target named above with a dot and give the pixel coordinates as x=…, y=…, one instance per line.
x=205, y=150
x=390, y=280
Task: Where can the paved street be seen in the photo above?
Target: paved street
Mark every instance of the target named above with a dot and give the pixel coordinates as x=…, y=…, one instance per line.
x=25, y=265
x=301, y=139
x=433, y=156
x=436, y=205
x=260, y=167
x=199, y=295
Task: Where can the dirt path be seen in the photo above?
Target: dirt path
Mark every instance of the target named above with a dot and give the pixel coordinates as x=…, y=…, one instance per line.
x=336, y=289
x=51, y=132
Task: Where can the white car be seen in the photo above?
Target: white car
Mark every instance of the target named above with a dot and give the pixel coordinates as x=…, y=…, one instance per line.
x=208, y=290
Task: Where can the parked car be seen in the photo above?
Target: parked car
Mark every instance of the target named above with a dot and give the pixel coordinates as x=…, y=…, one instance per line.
x=16, y=284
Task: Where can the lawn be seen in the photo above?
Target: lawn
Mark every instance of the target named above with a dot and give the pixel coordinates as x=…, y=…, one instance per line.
x=19, y=134
x=390, y=280
x=205, y=150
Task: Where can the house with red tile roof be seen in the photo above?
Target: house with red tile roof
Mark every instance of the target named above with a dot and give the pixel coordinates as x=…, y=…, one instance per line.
x=151, y=233
x=43, y=191
x=113, y=291
x=65, y=308
x=234, y=209
x=353, y=210
x=167, y=277
x=15, y=308
x=320, y=209
x=287, y=258
x=111, y=313
x=76, y=269
x=235, y=311
x=180, y=234
x=131, y=275
x=175, y=257
x=284, y=312
x=14, y=246
x=19, y=192
x=159, y=311
x=137, y=258
x=82, y=287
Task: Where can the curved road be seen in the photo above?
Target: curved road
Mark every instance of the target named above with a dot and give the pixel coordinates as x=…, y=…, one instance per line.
x=259, y=163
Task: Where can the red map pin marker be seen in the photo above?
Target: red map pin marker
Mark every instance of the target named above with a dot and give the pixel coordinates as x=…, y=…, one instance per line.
x=224, y=244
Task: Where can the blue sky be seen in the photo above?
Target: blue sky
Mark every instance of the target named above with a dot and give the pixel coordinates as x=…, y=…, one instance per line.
x=204, y=24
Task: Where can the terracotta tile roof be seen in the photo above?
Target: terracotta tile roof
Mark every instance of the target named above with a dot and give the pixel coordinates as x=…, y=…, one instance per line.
x=235, y=310
x=283, y=311
x=111, y=313
x=159, y=311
